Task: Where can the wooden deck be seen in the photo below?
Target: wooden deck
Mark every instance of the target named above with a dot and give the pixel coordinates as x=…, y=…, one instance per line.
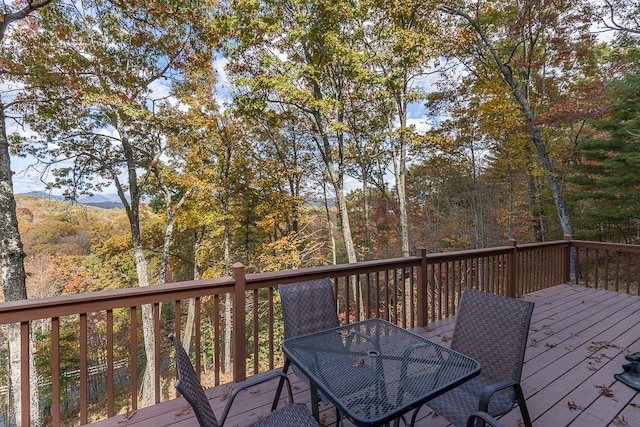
x=577, y=342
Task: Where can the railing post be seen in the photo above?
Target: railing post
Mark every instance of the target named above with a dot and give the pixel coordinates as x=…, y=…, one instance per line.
x=422, y=316
x=239, y=328
x=512, y=266
x=566, y=261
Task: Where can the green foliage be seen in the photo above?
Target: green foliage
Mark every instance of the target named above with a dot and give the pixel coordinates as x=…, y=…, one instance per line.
x=606, y=177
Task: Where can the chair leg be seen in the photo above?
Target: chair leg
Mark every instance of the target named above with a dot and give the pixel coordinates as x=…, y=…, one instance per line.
x=276, y=399
x=523, y=406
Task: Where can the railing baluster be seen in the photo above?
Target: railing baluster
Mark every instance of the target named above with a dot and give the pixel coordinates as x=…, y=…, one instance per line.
x=216, y=332
x=55, y=370
x=255, y=332
x=177, y=322
x=83, y=369
x=133, y=364
x=198, y=326
x=156, y=350
x=271, y=323
x=110, y=376
x=25, y=379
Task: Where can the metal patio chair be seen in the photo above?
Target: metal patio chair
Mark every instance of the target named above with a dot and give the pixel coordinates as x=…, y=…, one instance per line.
x=291, y=415
x=493, y=330
x=309, y=307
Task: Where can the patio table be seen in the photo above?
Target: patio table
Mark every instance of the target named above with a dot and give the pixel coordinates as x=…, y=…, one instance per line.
x=361, y=369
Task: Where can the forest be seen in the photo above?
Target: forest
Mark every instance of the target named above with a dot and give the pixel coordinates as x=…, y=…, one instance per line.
x=285, y=134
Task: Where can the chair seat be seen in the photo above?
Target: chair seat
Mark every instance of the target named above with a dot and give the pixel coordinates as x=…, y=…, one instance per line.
x=291, y=415
x=456, y=405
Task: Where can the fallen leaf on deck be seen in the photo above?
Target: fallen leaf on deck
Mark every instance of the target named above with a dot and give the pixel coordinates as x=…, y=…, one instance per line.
x=620, y=420
x=533, y=328
x=296, y=386
x=573, y=405
x=573, y=334
x=606, y=391
x=534, y=343
x=183, y=411
x=550, y=345
x=592, y=368
x=358, y=363
x=520, y=423
x=549, y=332
x=226, y=392
x=446, y=338
x=127, y=416
x=254, y=390
x=569, y=348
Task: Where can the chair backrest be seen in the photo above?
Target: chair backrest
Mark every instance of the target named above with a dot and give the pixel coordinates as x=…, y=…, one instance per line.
x=308, y=307
x=189, y=386
x=493, y=330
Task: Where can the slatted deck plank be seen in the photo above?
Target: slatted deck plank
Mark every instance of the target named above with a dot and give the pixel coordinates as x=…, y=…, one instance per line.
x=576, y=343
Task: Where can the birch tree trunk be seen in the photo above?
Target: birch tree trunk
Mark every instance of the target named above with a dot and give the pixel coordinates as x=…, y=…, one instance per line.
x=13, y=277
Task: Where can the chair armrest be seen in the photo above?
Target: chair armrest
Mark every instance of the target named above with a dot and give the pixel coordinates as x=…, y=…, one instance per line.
x=490, y=390
x=484, y=417
x=253, y=382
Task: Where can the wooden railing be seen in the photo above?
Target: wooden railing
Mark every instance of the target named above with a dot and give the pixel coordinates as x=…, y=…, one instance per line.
x=96, y=352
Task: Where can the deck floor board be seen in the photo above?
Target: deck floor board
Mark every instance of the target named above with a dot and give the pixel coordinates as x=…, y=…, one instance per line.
x=577, y=342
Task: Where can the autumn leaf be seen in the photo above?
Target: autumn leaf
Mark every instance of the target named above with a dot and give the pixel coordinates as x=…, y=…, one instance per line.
x=620, y=420
x=183, y=411
x=604, y=390
x=574, y=406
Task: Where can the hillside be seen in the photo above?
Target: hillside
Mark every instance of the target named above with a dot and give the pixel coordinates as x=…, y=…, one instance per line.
x=59, y=237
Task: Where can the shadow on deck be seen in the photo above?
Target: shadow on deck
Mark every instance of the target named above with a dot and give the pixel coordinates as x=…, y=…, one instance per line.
x=577, y=342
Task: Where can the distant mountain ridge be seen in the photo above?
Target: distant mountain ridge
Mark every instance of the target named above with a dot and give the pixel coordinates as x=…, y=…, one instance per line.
x=105, y=201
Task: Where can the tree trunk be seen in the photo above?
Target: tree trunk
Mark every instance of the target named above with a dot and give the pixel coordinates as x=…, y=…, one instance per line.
x=132, y=209
x=191, y=310
x=228, y=300
x=13, y=277
x=400, y=170
x=329, y=225
x=367, y=214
